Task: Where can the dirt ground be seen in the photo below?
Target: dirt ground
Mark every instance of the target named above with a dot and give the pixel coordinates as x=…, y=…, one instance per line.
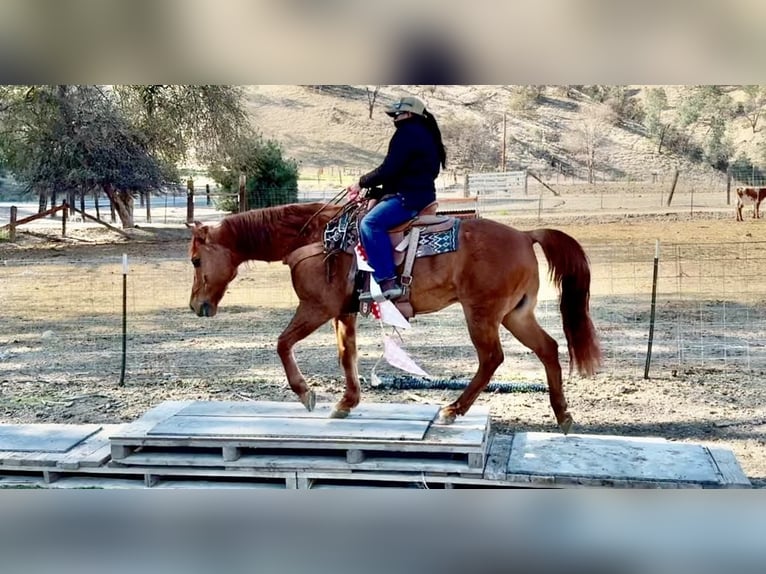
x=44, y=379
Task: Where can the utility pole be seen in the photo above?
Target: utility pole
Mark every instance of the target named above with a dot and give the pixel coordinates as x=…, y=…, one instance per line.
x=504, y=138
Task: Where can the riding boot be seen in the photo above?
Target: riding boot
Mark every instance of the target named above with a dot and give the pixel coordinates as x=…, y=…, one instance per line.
x=391, y=290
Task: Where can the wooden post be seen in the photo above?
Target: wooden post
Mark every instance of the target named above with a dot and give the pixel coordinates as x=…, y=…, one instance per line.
x=12, y=229
x=207, y=194
x=124, y=317
x=504, y=137
x=64, y=217
x=148, y=206
x=466, y=191
x=653, y=308
x=728, y=187
x=95, y=202
x=673, y=187
x=242, y=194
x=189, y=201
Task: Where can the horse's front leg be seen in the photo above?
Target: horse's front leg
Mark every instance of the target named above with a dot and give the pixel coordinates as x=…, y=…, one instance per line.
x=345, y=332
x=307, y=319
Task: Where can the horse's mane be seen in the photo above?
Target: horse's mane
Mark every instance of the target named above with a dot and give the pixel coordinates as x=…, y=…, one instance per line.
x=270, y=233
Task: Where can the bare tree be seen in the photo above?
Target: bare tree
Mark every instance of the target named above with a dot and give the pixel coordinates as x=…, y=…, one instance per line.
x=586, y=140
x=372, y=96
x=472, y=143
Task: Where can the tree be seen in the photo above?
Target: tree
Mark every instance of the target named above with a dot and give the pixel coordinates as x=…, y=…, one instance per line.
x=708, y=108
x=372, y=96
x=586, y=140
x=114, y=155
x=752, y=107
x=36, y=141
x=61, y=138
x=178, y=120
x=656, y=103
x=271, y=178
x=473, y=144
x=525, y=100
x=126, y=138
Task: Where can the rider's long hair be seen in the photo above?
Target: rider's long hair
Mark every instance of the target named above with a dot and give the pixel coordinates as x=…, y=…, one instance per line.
x=433, y=127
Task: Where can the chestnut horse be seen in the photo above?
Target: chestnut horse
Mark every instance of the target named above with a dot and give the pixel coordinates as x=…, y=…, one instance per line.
x=493, y=275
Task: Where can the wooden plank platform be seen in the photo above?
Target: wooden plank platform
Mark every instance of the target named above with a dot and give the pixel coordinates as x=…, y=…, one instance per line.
x=284, y=436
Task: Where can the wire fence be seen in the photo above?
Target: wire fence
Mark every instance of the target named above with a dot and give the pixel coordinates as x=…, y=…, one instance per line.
x=63, y=320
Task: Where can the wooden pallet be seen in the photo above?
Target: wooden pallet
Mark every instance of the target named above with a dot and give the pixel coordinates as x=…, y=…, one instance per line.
x=92, y=452
x=278, y=436
x=184, y=444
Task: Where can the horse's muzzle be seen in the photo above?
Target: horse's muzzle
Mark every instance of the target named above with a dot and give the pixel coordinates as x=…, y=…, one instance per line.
x=205, y=309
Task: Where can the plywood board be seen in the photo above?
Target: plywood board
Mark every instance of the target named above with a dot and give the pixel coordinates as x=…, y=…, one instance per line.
x=56, y=438
x=297, y=410
x=271, y=426
x=550, y=455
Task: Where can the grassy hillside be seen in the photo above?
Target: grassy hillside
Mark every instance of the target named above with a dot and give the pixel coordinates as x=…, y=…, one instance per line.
x=329, y=128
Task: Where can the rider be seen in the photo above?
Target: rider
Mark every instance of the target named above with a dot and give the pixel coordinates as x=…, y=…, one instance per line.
x=407, y=177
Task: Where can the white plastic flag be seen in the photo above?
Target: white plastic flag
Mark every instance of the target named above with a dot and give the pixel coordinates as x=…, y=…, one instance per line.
x=397, y=357
x=391, y=315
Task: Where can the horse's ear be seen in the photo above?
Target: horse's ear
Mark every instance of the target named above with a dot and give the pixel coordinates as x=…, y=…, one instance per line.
x=199, y=231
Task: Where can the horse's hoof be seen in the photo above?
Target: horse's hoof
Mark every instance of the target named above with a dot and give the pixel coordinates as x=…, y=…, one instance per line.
x=446, y=417
x=566, y=424
x=339, y=413
x=309, y=400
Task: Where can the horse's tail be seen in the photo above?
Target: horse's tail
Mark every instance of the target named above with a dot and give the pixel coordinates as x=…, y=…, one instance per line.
x=569, y=270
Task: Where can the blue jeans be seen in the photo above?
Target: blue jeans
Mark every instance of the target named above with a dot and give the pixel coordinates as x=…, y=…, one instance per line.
x=373, y=233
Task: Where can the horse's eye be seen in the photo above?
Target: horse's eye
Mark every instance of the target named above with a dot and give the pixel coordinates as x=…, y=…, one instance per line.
x=195, y=261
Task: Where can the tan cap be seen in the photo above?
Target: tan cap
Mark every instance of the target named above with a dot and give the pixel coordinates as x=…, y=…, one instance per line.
x=406, y=104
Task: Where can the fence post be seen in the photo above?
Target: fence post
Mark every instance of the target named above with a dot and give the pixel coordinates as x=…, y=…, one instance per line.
x=12, y=229
x=124, y=318
x=148, y=206
x=242, y=194
x=64, y=217
x=207, y=194
x=673, y=187
x=728, y=186
x=652, y=313
x=190, y=201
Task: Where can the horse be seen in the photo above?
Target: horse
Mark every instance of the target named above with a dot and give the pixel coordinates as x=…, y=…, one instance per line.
x=493, y=275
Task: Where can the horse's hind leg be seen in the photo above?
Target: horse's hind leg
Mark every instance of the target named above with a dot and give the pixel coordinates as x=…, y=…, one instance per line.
x=523, y=325
x=484, y=331
x=307, y=319
x=345, y=332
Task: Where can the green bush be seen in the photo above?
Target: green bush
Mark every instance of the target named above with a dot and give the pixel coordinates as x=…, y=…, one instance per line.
x=271, y=178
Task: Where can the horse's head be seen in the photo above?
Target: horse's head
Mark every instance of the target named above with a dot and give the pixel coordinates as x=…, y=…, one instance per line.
x=214, y=269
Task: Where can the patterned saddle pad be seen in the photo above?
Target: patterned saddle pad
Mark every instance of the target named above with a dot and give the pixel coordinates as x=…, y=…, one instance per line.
x=342, y=234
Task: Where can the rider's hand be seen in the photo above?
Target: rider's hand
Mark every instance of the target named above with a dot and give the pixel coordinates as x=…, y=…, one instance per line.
x=353, y=191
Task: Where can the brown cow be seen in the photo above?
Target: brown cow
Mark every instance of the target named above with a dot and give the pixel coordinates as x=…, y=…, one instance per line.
x=754, y=195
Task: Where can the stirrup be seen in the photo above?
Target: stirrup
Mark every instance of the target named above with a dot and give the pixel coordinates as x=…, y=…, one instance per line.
x=393, y=293
x=389, y=294
x=365, y=297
